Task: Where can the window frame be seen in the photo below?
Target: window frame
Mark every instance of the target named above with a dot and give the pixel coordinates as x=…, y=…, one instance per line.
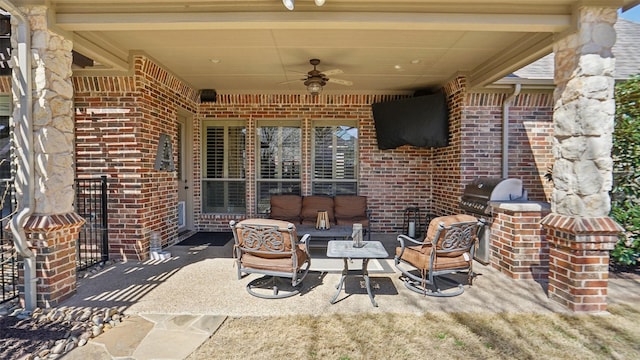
x=333, y=180
x=226, y=124
x=279, y=124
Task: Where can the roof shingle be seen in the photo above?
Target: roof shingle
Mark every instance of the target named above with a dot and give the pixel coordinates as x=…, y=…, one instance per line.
x=626, y=50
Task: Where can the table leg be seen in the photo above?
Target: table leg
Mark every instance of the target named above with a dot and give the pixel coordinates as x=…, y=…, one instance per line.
x=367, y=283
x=345, y=271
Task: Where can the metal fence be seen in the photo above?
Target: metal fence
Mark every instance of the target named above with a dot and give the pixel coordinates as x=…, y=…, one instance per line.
x=91, y=204
x=93, y=239
x=8, y=255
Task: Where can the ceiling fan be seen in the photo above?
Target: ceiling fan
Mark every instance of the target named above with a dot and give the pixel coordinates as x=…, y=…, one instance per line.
x=316, y=79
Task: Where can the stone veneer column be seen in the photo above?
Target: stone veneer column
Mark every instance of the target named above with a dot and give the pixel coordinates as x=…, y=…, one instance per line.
x=579, y=231
x=53, y=227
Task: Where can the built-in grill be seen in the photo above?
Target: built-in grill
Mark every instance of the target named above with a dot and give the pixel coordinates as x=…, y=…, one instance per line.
x=475, y=199
x=478, y=193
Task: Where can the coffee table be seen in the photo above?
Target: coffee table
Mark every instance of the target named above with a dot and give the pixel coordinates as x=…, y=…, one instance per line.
x=336, y=232
x=346, y=251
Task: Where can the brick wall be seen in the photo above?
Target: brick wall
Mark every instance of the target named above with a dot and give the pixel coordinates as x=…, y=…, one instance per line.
x=530, y=139
x=475, y=144
x=118, y=124
x=119, y=120
x=446, y=184
x=391, y=179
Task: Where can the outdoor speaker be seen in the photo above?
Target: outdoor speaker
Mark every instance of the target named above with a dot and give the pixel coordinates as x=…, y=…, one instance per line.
x=208, y=95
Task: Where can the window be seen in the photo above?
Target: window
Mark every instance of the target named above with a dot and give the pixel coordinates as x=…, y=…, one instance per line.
x=335, y=158
x=223, y=177
x=278, y=161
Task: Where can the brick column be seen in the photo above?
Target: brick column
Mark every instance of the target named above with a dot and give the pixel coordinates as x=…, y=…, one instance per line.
x=54, y=240
x=579, y=231
x=519, y=246
x=579, y=260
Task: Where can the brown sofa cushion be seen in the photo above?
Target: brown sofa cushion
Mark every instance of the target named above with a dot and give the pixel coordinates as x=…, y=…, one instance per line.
x=351, y=209
x=286, y=207
x=314, y=203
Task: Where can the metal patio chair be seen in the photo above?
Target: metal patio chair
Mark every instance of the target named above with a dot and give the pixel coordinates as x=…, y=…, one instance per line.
x=445, y=253
x=271, y=247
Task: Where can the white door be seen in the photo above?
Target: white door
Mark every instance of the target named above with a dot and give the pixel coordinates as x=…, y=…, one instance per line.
x=184, y=168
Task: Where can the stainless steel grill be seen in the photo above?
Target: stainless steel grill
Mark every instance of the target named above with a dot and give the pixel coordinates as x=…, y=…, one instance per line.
x=478, y=193
x=475, y=199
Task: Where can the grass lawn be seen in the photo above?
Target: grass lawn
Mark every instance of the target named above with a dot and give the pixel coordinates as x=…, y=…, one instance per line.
x=432, y=336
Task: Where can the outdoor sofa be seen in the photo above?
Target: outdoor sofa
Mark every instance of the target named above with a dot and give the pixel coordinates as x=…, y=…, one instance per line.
x=343, y=210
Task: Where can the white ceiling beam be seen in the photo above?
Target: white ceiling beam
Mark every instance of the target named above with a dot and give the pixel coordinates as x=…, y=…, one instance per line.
x=309, y=20
x=112, y=58
x=523, y=53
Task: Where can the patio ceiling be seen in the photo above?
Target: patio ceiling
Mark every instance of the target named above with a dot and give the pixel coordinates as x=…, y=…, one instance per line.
x=254, y=46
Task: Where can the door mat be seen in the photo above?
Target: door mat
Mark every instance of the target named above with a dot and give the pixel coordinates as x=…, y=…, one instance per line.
x=207, y=238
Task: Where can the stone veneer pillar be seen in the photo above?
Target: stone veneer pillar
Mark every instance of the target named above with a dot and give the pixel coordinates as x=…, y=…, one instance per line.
x=579, y=231
x=52, y=230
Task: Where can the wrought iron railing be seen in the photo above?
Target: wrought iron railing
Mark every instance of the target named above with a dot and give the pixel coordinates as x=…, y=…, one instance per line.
x=91, y=204
x=93, y=239
x=8, y=254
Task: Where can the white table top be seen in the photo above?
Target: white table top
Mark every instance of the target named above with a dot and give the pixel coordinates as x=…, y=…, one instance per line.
x=345, y=249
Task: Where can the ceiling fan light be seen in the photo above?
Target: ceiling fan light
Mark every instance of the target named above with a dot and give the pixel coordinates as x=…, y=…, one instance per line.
x=319, y=2
x=288, y=4
x=314, y=88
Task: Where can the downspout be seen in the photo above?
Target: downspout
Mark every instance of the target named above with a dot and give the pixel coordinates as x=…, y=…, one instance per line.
x=505, y=130
x=23, y=146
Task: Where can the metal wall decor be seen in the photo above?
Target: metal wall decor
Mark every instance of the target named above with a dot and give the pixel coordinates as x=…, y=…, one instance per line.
x=164, y=156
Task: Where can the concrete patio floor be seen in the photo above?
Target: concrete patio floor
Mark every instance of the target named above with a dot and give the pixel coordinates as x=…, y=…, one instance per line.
x=187, y=296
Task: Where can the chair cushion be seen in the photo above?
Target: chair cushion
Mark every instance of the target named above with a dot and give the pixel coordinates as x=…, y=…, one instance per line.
x=415, y=256
x=286, y=264
x=455, y=262
x=314, y=203
x=418, y=256
x=286, y=207
x=270, y=247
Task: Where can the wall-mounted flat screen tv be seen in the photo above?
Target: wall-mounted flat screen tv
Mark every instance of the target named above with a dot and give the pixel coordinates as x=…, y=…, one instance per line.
x=421, y=121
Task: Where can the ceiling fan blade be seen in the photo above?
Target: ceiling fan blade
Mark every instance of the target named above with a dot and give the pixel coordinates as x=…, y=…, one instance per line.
x=341, y=82
x=297, y=72
x=332, y=72
x=290, y=81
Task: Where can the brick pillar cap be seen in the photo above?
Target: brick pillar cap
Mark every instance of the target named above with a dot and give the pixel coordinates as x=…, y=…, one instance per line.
x=582, y=225
x=48, y=223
